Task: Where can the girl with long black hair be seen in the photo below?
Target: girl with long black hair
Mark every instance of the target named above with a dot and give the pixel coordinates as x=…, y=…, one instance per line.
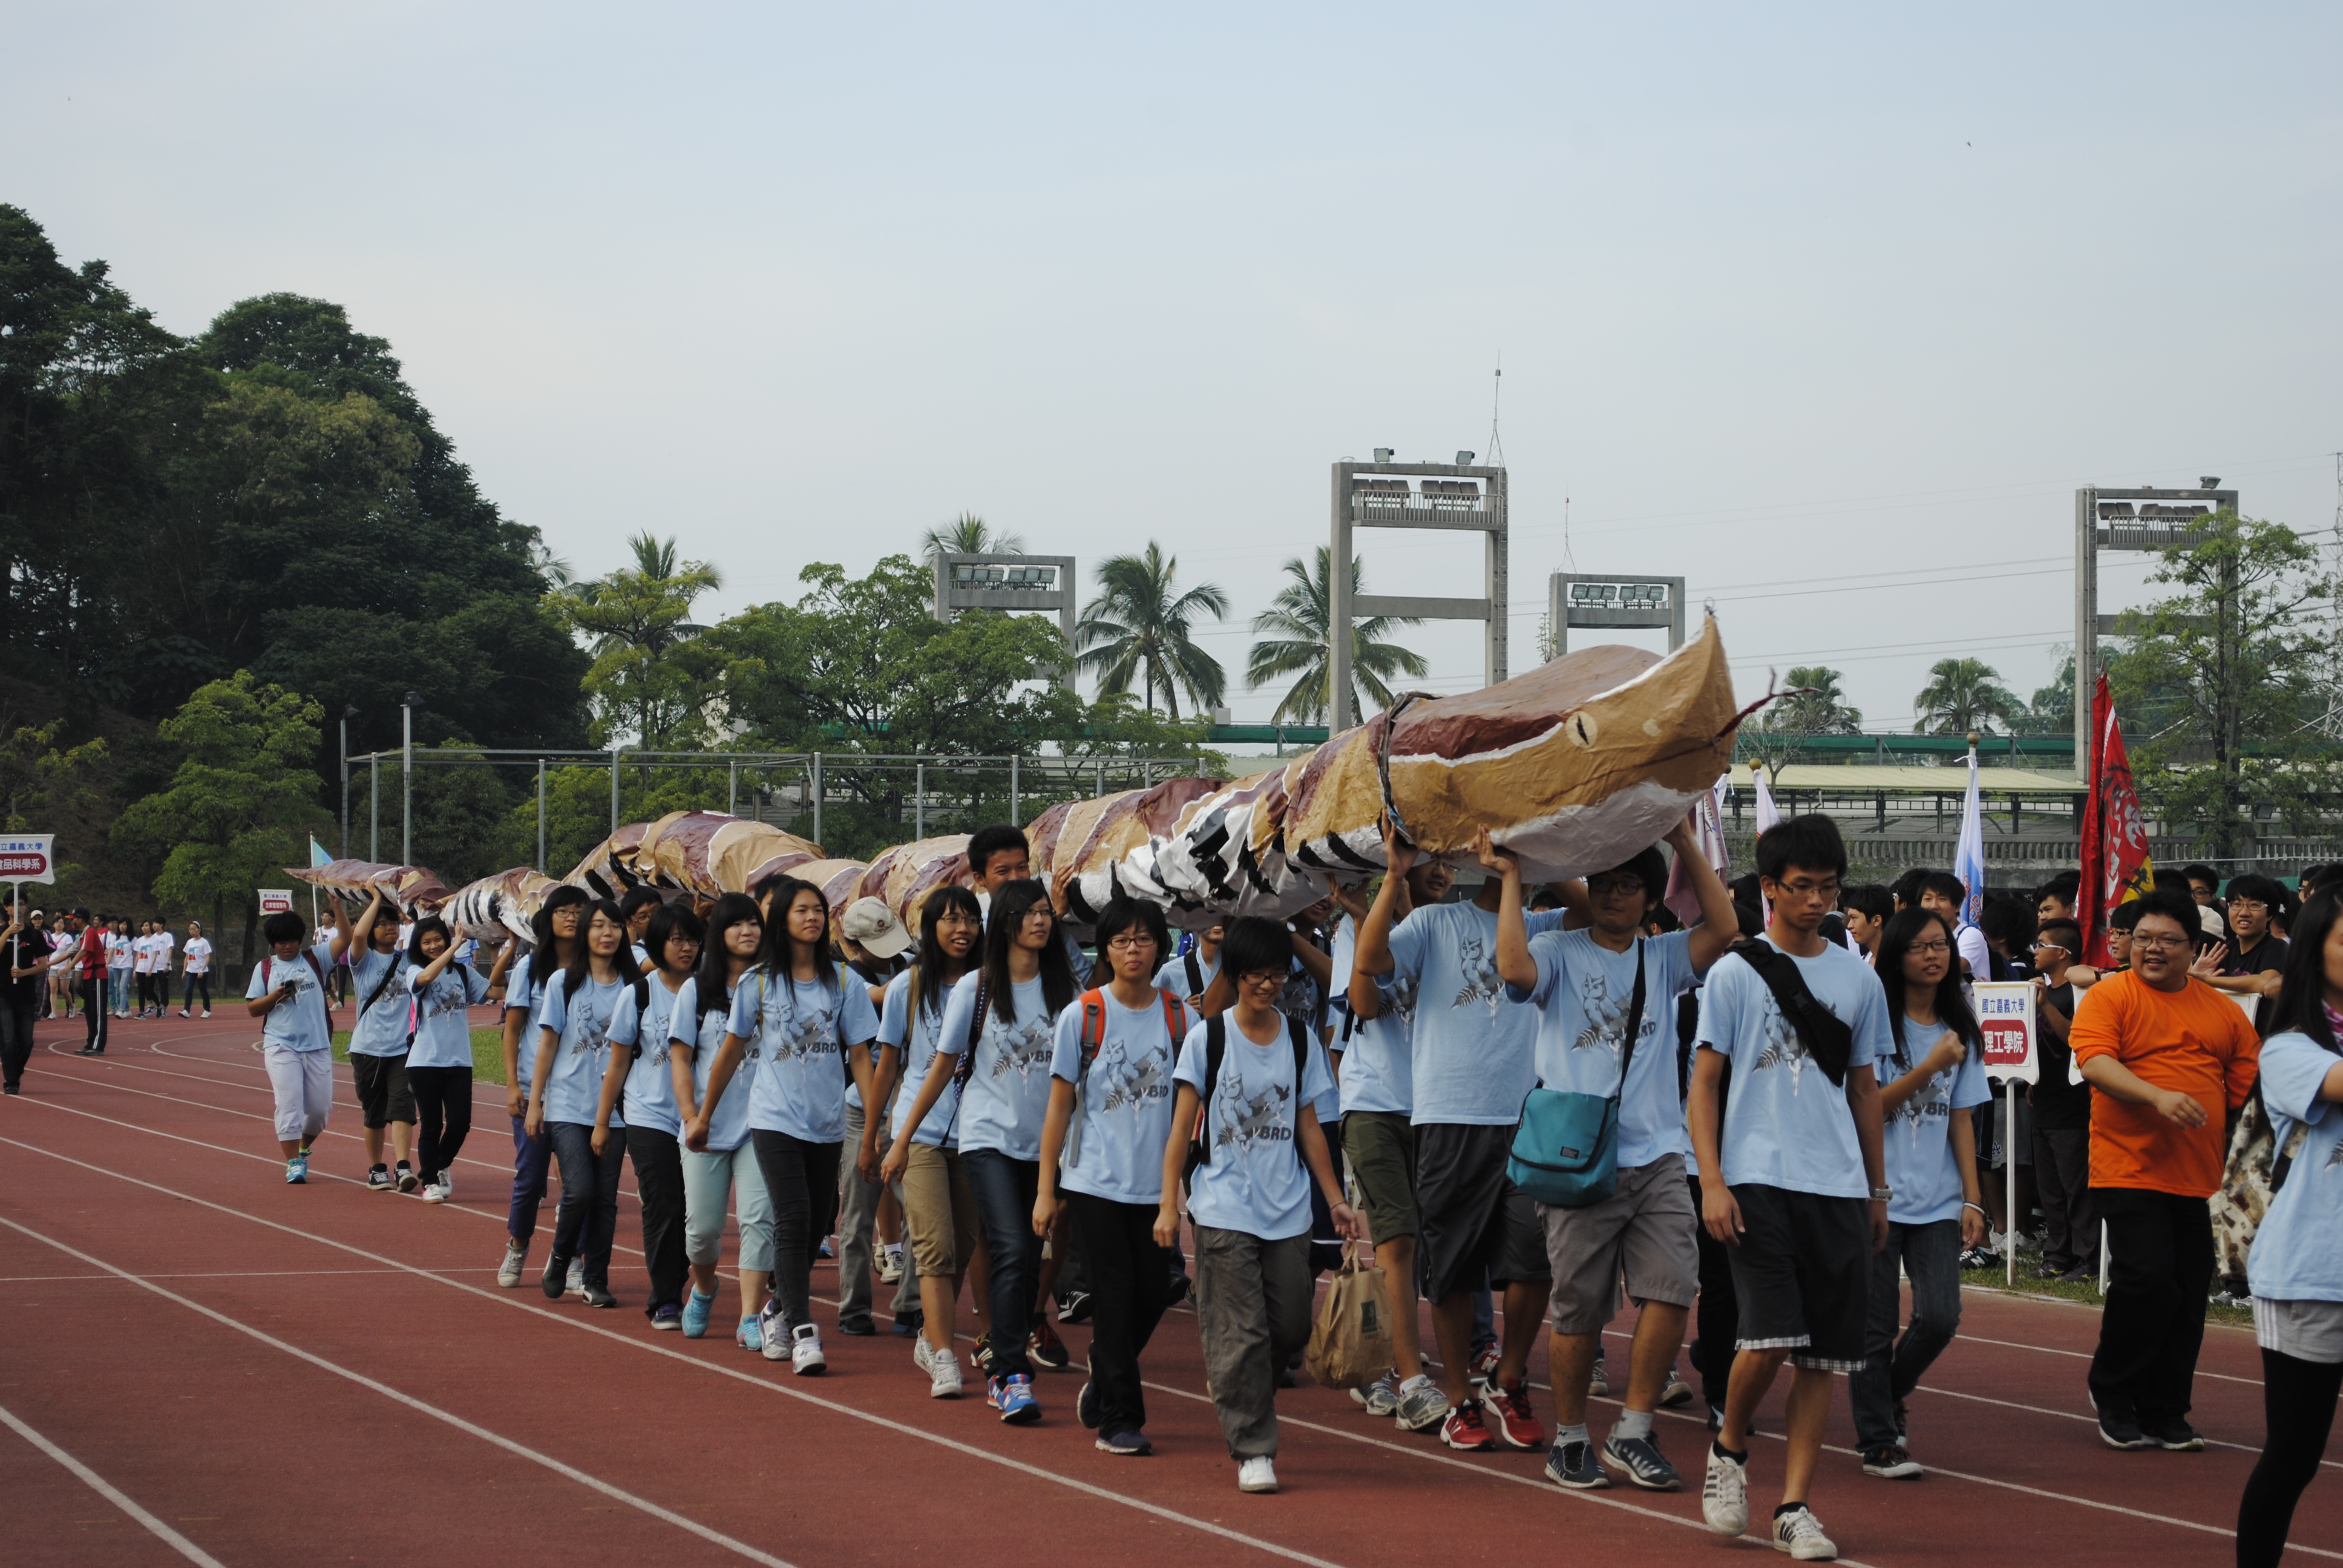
x=803, y=1020
x=653, y=1129
x=573, y=1048
x=1927, y=1086
x=2297, y=1263
x=721, y=1168
x=556, y=945
x=439, y=1061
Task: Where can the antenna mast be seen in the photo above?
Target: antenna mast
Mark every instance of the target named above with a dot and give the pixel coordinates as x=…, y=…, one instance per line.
x=1497, y=447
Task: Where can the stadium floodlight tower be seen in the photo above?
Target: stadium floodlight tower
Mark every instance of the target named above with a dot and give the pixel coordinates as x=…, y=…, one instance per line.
x=1387, y=495
x=2145, y=519
x=1592, y=602
x=994, y=582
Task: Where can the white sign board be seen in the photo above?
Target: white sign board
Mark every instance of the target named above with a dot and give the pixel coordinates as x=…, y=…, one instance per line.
x=28, y=858
x=275, y=900
x=2005, y=1016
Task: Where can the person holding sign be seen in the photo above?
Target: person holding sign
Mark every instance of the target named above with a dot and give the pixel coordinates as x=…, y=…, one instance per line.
x=1932, y=1075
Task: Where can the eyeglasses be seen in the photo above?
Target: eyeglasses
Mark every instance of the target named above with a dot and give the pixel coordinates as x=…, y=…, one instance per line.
x=1931, y=950
x=2159, y=943
x=2249, y=906
x=1605, y=887
x=1807, y=889
x=1129, y=941
x=1263, y=979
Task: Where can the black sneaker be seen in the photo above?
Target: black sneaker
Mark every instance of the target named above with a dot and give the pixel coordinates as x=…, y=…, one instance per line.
x=857, y=1328
x=1043, y=1346
x=1086, y=1404
x=556, y=1277
x=910, y=1323
x=1890, y=1461
x=598, y=1295
x=2117, y=1429
x=1573, y=1465
x=379, y=1180
x=406, y=1178
x=1074, y=1307
x=1639, y=1459
x=2173, y=1436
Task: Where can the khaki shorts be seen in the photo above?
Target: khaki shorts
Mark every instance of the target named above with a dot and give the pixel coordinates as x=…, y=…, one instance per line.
x=940, y=1211
x=1381, y=1145
x=1646, y=1230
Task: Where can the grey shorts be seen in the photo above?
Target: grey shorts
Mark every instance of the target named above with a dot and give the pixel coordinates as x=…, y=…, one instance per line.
x=1470, y=1221
x=1646, y=1230
x=2307, y=1330
x=1381, y=1150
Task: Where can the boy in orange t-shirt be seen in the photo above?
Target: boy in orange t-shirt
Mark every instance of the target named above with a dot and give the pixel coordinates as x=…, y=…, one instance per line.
x=2166, y=1057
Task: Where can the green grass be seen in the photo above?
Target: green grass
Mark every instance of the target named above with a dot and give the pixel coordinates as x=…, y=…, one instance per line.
x=2085, y=1292
x=487, y=1053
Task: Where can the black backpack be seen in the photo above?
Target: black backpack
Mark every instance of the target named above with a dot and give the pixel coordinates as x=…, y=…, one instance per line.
x=1216, y=1041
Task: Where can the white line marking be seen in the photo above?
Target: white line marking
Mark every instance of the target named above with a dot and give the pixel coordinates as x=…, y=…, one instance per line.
x=568, y=1472
x=99, y=1485
x=2084, y=1355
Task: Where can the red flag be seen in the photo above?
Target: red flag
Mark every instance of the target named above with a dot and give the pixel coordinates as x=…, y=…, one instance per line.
x=2116, y=867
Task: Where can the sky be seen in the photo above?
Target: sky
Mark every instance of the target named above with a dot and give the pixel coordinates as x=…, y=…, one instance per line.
x=1828, y=309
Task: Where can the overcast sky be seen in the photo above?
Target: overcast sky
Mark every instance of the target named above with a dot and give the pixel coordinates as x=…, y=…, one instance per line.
x=1827, y=310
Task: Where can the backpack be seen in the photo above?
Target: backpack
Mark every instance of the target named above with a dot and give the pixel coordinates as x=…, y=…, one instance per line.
x=1216, y=1041
x=1093, y=1036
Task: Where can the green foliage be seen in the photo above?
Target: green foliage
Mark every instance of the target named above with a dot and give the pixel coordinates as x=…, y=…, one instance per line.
x=633, y=621
x=1822, y=710
x=1963, y=695
x=967, y=535
x=1138, y=629
x=1299, y=617
x=578, y=810
x=242, y=801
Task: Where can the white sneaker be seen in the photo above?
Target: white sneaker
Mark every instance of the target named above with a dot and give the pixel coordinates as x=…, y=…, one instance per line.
x=805, y=1350
x=922, y=1357
x=1724, y=1495
x=889, y=1265
x=516, y=1259
x=447, y=1186
x=1800, y=1534
x=433, y=1193
x=575, y=1283
x=1258, y=1474
x=773, y=1329
x=943, y=1377
x=208, y=1012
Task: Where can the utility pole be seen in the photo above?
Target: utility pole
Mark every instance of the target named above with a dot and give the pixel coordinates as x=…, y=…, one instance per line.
x=407, y=776
x=349, y=711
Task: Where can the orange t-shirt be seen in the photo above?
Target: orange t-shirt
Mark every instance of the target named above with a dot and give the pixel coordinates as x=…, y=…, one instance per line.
x=2195, y=1041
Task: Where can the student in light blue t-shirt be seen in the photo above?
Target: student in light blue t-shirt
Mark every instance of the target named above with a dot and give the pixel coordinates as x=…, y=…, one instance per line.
x=441, y=986
x=1800, y=1191
x=287, y=993
x=1110, y=1115
x=1931, y=1078
x=720, y=1169
x=573, y=1048
x=379, y=1044
x=555, y=929
x=640, y=1030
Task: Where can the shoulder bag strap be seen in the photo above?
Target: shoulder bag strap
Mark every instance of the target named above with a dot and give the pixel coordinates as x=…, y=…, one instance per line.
x=1635, y=1021
x=1195, y=973
x=1827, y=1037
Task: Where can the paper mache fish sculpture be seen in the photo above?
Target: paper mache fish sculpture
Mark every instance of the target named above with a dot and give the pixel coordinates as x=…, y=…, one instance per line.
x=499, y=906
x=413, y=889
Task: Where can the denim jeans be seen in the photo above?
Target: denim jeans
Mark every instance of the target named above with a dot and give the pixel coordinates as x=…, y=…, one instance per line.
x=1892, y=1367
x=588, y=1220
x=802, y=1182
x=1005, y=1188
x=531, y=1156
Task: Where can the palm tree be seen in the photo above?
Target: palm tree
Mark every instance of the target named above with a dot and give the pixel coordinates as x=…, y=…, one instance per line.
x=1138, y=629
x=1300, y=616
x=967, y=535
x=1820, y=711
x=634, y=619
x=1962, y=695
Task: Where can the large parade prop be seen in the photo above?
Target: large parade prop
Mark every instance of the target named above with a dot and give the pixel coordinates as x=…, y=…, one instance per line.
x=413, y=889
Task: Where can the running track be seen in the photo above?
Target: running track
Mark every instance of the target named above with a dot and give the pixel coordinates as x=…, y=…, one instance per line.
x=204, y=1365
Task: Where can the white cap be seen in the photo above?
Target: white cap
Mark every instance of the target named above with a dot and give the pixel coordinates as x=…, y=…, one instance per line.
x=871, y=926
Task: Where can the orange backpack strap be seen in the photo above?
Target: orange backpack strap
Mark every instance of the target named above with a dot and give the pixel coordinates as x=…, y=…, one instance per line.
x=1175, y=1019
x=1093, y=1025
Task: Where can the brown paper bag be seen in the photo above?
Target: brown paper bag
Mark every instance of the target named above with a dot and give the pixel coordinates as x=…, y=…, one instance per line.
x=1351, y=1346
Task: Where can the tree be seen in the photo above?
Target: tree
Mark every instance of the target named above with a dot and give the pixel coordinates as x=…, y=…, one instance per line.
x=967, y=535
x=1963, y=695
x=1138, y=628
x=634, y=620
x=1300, y=616
x=242, y=801
x=1822, y=710
x=2228, y=671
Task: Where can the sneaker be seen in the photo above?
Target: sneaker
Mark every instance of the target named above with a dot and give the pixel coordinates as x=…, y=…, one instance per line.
x=908, y=1325
x=1086, y=1404
x=1484, y=1364
x=1421, y=1407
x=2175, y=1437
x=943, y=1375
x=554, y=1281
x=379, y=1180
x=696, y=1309
x=1800, y=1534
x=575, y=1283
x=750, y=1335
x=1724, y=1494
x=1598, y=1380
x=183, y=1012
x=1675, y=1393
x=1509, y=1403
x=437, y=1191
x=1639, y=1459
x=516, y=1258
x=1014, y=1399
x=296, y=1170
x=408, y=1180
x=597, y=1295
x=1890, y=1461
x=1074, y=1307
x=2119, y=1429
x=805, y=1350
x=666, y=1316
x=980, y=1356
x=1464, y=1429
x=1380, y=1397
x=889, y=1265
x=1044, y=1347
x=773, y=1335
x=1572, y=1465
x=1126, y=1444
x=208, y=1012
x=857, y=1328
x=1258, y=1473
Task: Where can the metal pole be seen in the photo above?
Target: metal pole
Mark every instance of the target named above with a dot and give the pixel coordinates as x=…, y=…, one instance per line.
x=732, y=789
x=616, y=747
x=2086, y=624
x=1012, y=792
x=540, y=813
x=1497, y=583
x=406, y=784
x=1097, y=771
x=374, y=805
x=919, y=803
x=816, y=787
x=345, y=786
x=1338, y=607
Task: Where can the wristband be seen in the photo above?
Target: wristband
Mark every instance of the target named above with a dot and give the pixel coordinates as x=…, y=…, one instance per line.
x=1980, y=1209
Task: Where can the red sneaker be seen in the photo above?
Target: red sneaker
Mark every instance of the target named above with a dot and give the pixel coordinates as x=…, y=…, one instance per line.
x=1509, y=1411
x=1484, y=1365
x=1464, y=1429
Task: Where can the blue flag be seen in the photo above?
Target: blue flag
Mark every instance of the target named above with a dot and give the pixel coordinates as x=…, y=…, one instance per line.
x=317, y=856
x=1968, y=856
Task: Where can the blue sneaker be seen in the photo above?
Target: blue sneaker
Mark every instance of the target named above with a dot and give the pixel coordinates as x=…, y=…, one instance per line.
x=750, y=1335
x=296, y=1170
x=696, y=1311
x=1013, y=1396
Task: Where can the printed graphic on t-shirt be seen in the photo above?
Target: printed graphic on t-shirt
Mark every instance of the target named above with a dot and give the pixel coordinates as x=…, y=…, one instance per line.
x=1124, y=1082
x=1783, y=1046
x=1024, y=1047
x=1932, y=1101
x=1607, y=1021
x=1482, y=983
x=447, y=995
x=807, y=1035
x=1244, y=1119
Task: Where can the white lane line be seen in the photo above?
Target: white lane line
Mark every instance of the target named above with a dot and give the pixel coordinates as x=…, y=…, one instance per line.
x=99, y=1485
x=505, y=1299
x=571, y=1472
x=2083, y=1355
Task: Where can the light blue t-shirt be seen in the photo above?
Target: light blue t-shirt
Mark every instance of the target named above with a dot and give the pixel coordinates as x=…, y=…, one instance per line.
x=1123, y=1106
x=1584, y=994
x=381, y=1030
x=1255, y=1180
x=1173, y=975
x=700, y=1031
x=521, y=996
x=1008, y=1093
x=1475, y=1053
x=1375, y=1058
x=2297, y=1253
x=804, y=1028
x=649, y=1094
x=916, y=1039
x=1916, y=1139
x=443, y=1034
x=1785, y=1125
x=302, y=1023
x=581, y=1022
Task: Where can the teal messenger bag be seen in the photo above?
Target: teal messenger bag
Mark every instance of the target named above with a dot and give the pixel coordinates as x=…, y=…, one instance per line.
x=1565, y=1153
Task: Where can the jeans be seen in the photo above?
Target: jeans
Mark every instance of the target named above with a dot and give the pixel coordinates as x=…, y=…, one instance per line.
x=194, y=983
x=2160, y=1265
x=117, y=990
x=2297, y=1412
x=658, y=1158
x=858, y=1211
x=443, y=1115
x=709, y=1180
x=1892, y=1367
x=1129, y=1284
x=1252, y=1312
x=1005, y=1188
x=17, y=1035
x=801, y=1181
x=530, y=1157
x=588, y=1220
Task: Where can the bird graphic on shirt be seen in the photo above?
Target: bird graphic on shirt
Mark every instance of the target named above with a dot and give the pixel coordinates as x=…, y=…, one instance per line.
x=1607, y=1025
x=2334, y=1157
x=1246, y=1119
x=1022, y=1048
x=1129, y=1082
x=1480, y=972
x=1783, y=1046
x=805, y=1034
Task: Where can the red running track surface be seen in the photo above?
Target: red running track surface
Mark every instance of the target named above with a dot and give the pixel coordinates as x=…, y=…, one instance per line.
x=307, y=1375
